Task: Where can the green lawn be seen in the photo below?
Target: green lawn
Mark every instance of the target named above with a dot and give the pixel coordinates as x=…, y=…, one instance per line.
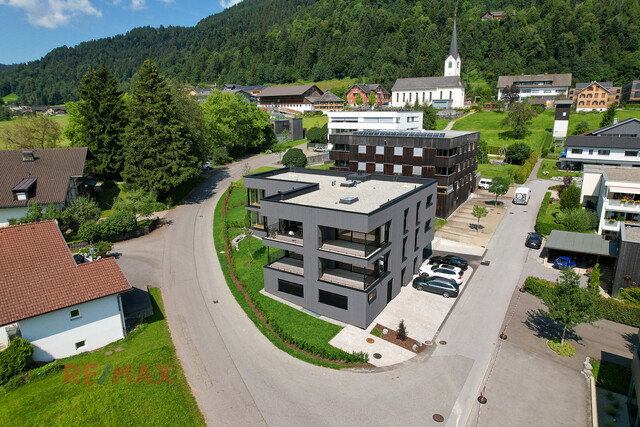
x=551, y=169
x=440, y=223
x=315, y=121
x=441, y=124
x=286, y=145
x=612, y=377
x=325, y=84
x=49, y=400
x=493, y=171
x=488, y=124
x=552, y=210
x=12, y=97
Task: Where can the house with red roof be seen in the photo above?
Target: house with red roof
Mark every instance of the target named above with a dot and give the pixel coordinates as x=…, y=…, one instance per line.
x=60, y=307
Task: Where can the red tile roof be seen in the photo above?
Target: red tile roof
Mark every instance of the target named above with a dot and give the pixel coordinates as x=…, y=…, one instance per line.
x=38, y=273
x=52, y=167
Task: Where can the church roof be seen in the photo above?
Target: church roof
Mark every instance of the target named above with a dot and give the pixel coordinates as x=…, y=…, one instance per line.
x=427, y=83
x=453, y=49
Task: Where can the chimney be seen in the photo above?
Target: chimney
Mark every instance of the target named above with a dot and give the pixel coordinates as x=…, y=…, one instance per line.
x=27, y=156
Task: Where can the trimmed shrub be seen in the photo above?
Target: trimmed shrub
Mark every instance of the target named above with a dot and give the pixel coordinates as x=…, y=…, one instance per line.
x=518, y=153
x=630, y=295
x=16, y=359
x=521, y=175
x=294, y=158
x=89, y=231
x=608, y=308
x=119, y=222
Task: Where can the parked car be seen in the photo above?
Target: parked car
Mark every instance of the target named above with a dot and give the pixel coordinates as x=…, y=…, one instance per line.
x=438, y=271
x=564, y=262
x=438, y=285
x=320, y=148
x=450, y=260
x=485, y=183
x=207, y=166
x=425, y=268
x=534, y=241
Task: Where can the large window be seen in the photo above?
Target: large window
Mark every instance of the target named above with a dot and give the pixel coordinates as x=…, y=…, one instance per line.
x=406, y=215
x=362, y=166
x=379, y=149
x=379, y=167
x=397, y=151
x=290, y=288
x=335, y=300
x=417, y=152
x=416, y=171
x=397, y=169
x=362, y=149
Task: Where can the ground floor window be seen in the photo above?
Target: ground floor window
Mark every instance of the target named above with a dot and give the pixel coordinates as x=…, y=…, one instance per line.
x=335, y=300
x=290, y=288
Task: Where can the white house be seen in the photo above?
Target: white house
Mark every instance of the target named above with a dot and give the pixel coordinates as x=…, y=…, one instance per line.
x=60, y=307
x=50, y=175
x=614, y=193
x=440, y=92
x=614, y=145
x=352, y=121
x=539, y=86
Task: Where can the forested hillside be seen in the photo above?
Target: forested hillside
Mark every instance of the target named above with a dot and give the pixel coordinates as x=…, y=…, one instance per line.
x=282, y=41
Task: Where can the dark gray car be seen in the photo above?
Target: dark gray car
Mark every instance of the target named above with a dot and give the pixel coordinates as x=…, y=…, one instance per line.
x=438, y=285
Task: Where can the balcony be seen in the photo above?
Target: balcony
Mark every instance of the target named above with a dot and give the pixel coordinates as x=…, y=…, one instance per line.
x=288, y=232
x=350, y=279
x=624, y=205
x=289, y=262
x=354, y=243
x=354, y=249
x=609, y=225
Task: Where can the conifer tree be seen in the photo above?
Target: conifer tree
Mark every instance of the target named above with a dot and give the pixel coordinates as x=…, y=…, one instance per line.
x=158, y=156
x=98, y=121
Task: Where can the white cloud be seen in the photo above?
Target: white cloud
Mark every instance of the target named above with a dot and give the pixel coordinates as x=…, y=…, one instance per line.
x=53, y=13
x=137, y=4
x=228, y=3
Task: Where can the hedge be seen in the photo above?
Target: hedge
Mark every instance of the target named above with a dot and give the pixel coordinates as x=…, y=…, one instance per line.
x=523, y=172
x=608, y=308
x=543, y=227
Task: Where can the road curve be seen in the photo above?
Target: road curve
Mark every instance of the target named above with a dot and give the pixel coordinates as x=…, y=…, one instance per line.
x=240, y=378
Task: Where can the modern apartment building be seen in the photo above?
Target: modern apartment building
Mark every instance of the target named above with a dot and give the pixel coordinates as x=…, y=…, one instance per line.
x=353, y=121
x=341, y=244
x=541, y=86
x=595, y=96
x=614, y=194
x=450, y=157
x=614, y=145
x=631, y=92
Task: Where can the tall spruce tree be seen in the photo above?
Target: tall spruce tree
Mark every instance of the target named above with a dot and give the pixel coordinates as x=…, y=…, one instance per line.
x=158, y=156
x=98, y=121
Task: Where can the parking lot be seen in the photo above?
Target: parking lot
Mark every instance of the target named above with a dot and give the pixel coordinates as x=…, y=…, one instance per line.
x=423, y=314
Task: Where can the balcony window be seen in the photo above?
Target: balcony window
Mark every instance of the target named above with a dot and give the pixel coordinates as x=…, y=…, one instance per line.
x=446, y=153
x=257, y=220
x=445, y=171
x=342, y=163
x=255, y=195
x=341, y=147
x=354, y=276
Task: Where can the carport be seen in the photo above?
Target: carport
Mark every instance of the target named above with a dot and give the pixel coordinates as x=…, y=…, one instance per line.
x=587, y=249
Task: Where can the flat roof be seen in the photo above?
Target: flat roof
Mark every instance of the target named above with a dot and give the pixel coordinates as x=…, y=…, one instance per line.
x=371, y=194
x=616, y=173
x=632, y=232
x=593, y=244
x=413, y=133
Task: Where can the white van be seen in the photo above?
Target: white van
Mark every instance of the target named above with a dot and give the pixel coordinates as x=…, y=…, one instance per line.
x=521, y=196
x=485, y=183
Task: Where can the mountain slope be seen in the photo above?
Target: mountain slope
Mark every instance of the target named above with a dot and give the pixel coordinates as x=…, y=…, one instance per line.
x=281, y=41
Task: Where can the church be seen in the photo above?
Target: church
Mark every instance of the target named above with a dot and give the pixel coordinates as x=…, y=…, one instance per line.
x=440, y=92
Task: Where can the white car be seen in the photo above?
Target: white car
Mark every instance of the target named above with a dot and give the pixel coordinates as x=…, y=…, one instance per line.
x=446, y=271
x=207, y=166
x=426, y=268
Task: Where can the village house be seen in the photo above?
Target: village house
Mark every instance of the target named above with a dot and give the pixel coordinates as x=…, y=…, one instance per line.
x=364, y=91
x=595, y=96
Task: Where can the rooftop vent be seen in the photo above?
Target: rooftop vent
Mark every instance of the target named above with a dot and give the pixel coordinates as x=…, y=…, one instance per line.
x=348, y=184
x=349, y=200
x=27, y=156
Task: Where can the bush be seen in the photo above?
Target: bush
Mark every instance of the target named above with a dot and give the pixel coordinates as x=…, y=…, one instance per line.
x=521, y=175
x=578, y=220
x=608, y=308
x=376, y=332
x=294, y=158
x=543, y=227
x=220, y=156
x=119, y=222
x=16, y=359
x=518, y=153
x=630, y=295
x=570, y=198
x=89, y=231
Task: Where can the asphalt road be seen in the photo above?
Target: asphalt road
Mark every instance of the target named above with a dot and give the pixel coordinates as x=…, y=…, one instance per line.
x=240, y=378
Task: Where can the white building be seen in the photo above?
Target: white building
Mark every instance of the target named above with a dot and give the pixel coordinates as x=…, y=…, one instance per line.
x=441, y=92
x=61, y=308
x=614, y=193
x=614, y=145
x=540, y=86
x=352, y=121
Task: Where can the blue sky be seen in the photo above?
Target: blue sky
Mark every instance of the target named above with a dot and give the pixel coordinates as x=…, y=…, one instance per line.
x=32, y=28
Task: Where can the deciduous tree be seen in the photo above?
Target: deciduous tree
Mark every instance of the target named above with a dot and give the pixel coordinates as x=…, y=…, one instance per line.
x=570, y=305
x=570, y=198
x=499, y=186
x=518, y=116
x=479, y=212
x=31, y=132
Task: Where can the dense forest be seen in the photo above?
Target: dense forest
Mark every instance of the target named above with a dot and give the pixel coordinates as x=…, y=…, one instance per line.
x=283, y=41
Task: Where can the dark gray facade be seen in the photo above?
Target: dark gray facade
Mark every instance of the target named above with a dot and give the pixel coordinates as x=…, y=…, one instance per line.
x=450, y=157
x=627, y=268
x=344, y=261
x=293, y=126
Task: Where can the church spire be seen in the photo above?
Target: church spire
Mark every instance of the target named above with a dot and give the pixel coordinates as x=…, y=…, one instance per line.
x=453, y=49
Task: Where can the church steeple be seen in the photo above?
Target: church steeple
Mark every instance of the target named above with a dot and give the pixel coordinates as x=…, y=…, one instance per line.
x=453, y=49
x=452, y=63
